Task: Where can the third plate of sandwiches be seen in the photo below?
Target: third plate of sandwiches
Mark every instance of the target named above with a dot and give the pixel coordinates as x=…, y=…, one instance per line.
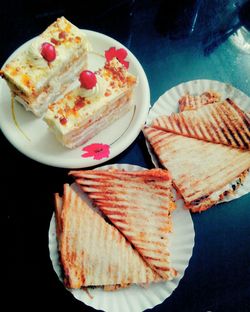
x=117, y=232
x=205, y=145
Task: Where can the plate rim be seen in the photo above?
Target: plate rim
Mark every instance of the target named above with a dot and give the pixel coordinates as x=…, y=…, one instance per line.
x=127, y=138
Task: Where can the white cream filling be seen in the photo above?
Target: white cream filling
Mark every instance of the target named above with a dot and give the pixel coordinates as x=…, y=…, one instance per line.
x=57, y=86
x=33, y=54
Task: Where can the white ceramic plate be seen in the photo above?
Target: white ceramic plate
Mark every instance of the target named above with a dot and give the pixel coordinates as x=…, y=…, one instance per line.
x=136, y=298
x=33, y=138
x=168, y=103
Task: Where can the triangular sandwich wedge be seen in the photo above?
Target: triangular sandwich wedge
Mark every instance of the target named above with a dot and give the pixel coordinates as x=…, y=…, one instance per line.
x=223, y=123
x=93, y=252
x=202, y=172
x=139, y=204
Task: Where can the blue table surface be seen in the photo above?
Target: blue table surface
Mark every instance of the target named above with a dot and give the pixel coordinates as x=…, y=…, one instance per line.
x=160, y=36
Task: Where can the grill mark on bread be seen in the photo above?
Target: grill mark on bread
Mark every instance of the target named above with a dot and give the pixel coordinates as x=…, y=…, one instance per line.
x=221, y=122
x=232, y=128
x=220, y=135
x=141, y=214
x=205, y=184
x=238, y=127
x=82, y=264
x=228, y=133
x=185, y=125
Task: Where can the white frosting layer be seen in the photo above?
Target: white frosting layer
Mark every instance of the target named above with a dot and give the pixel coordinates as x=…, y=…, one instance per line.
x=33, y=54
x=80, y=106
x=30, y=72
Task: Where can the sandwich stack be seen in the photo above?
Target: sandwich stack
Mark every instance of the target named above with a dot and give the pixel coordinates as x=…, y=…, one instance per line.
x=126, y=240
x=206, y=150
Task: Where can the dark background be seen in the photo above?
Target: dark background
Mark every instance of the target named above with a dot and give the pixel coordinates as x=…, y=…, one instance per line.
x=161, y=36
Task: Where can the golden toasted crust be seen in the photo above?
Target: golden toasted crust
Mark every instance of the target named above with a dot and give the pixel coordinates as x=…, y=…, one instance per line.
x=93, y=252
x=201, y=171
x=192, y=102
x=139, y=204
x=58, y=212
x=223, y=123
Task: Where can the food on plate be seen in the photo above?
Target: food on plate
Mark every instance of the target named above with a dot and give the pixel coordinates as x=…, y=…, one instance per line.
x=203, y=172
x=92, y=251
x=112, y=228
x=139, y=205
x=191, y=102
x=41, y=72
x=101, y=98
x=206, y=149
x=222, y=123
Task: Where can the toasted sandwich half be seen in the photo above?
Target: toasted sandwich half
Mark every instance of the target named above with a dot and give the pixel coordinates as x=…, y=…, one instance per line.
x=202, y=171
x=223, y=123
x=42, y=71
x=93, y=252
x=192, y=102
x=139, y=204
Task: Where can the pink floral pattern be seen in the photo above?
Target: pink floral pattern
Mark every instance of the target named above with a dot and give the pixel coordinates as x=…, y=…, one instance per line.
x=96, y=150
x=120, y=54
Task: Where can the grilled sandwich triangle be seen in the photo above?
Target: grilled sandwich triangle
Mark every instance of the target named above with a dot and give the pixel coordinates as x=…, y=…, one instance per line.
x=93, y=252
x=222, y=122
x=202, y=171
x=139, y=204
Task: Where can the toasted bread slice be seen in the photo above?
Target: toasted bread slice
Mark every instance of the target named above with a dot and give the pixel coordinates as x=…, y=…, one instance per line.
x=201, y=171
x=93, y=252
x=192, y=102
x=58, y=211
x=139, y=204
x=223, y=123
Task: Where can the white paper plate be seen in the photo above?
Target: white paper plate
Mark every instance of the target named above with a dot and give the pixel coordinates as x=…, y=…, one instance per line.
x=34, y=139
x=168, y=103
x=136, y=298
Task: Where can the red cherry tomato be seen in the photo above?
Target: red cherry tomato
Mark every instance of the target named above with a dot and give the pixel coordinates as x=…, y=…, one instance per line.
x=87, y=79
x=48, y=52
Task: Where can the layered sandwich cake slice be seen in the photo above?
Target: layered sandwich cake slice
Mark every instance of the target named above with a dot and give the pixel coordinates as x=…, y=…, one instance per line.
x=41, y=72
x=101, y=98
x=92, y=251
x=139, y=204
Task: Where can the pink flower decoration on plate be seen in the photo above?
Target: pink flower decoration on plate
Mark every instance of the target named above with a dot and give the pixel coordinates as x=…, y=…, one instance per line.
x=120, y=54
x=96, y=150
